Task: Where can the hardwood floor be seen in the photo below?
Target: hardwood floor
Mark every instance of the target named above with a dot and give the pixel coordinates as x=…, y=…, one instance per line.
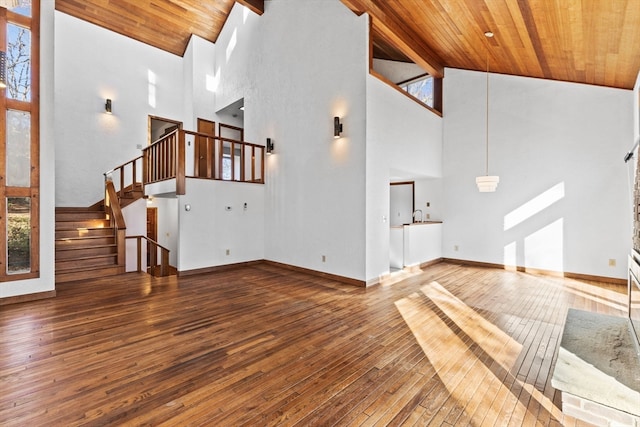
x=260, y=346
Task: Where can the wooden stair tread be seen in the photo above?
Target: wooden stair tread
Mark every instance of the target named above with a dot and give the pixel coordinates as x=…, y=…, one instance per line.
x=65, y=239
x=85, y=244
x=87, y=273
x=69, y=267
x=83, y=228
x=78, y=247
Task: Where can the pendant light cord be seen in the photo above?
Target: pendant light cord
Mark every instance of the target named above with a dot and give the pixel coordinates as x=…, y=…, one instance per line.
x=487, y=119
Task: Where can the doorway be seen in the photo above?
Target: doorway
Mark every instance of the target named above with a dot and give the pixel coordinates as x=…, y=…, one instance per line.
x=205, y=149
x=402, y=203
x=152, y=228
x=159, y=127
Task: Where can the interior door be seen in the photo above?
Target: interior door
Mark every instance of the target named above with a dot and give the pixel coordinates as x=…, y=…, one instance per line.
x=205, y=149
x=152, y=228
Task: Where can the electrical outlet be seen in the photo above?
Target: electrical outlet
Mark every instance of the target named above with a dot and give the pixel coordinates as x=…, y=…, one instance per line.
x=228, y=251
x=612, y=262
x=428, y=204
x=324, y=258
x=455, y=248
x=428, y=216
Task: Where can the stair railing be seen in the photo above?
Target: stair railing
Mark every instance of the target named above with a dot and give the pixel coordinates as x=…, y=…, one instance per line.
x=127, y=176
x=158, y=270
x=114, y=215
x=210, y=157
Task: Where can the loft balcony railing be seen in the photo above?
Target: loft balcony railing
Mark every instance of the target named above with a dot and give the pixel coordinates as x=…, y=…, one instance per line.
x=185, y=154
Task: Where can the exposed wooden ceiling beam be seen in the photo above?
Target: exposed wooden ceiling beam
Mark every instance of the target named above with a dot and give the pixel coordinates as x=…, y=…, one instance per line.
x=397, y=34
x=256, y=6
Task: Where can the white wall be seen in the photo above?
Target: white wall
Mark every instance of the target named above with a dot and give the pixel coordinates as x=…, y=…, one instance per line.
x=135, y=217
x=208, y=229
x=168, y=225
x=558, y=150
x=404, y=142
x=199, y=82
x=45, y=282
x=429, y=190
x=297, y=66
x=91, y=65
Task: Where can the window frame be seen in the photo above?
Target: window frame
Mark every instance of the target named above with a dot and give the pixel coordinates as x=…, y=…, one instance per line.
x=33, y=107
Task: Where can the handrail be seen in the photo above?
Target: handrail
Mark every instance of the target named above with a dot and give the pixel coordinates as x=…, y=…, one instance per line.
x=108, y=176
x=112, y=205
x=164, y=255
x=211, y=157
x=114, y=214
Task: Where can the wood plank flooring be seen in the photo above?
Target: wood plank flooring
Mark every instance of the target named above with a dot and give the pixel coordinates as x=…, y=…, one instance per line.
x=261, y=346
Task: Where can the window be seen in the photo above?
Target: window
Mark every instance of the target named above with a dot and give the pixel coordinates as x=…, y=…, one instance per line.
x=19, y=163
x=420, y=88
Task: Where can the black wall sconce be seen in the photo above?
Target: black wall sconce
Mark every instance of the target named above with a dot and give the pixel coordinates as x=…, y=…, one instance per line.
x=3, y=70
x=107, y=106
x=337, y=127
x=270, y=146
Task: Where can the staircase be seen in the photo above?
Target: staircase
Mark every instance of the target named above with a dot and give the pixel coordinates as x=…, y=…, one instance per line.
x=85, y=245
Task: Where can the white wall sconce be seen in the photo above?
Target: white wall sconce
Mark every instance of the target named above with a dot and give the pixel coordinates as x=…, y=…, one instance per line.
x=337, y=127
x=270, y=146
x=107, y=106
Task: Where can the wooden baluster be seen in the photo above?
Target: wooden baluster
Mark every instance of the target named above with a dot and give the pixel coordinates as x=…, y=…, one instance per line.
x=262, y=168
x=139, y=245
x=253, y=163
x=134, y=174
x=233, y=161
x=145, y=168
x=164, y=268
x=180, y=176
x=210, y=159
x=220, y=157
x=121, y=191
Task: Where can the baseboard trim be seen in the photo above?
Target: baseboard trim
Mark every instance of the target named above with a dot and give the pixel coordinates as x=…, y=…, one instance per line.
x=389, y=278
x=217, y=268
x=541, y=272
x=337, y=278
x=27, y=297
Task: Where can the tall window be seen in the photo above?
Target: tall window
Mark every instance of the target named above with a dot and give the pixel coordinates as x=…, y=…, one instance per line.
x=19, y=117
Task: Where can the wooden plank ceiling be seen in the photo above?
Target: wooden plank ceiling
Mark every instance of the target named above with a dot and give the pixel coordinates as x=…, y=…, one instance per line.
x=165, y=24
x=586, y=41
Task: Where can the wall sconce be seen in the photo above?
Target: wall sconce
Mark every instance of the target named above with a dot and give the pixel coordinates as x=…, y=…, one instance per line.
x=337, y=127
x=3, y=70
x=270, y=146
x=107, y=106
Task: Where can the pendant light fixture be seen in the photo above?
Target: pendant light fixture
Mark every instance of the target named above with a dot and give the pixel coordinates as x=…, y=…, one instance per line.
x=487, y=183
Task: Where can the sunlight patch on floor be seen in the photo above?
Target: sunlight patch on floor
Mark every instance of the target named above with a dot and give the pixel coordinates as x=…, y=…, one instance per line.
x=448, y=332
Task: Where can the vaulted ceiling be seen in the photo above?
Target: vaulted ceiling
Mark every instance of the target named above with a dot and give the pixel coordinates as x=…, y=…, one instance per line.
x=585, y=41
